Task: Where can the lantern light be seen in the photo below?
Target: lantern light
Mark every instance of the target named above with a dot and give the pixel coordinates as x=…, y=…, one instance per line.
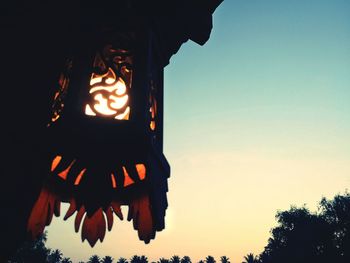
x=106, y=138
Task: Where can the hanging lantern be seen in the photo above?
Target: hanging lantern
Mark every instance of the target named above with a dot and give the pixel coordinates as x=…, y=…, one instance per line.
x=105, y=137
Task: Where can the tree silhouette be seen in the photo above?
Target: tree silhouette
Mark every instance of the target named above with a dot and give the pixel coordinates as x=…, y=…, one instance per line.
x=94, y=259
x=66, y=260
x=250, y=258
x=107, y=259
x=210, y=259
x=55, y=256
x=32, y=251
x=163, y=260
x=135, y=259
x=224, y=259
x=300, y=237
x=304, y=237
x=122, y=260
x=336, y=212
x=143, y=259
x=186, y=259
x=175, y=259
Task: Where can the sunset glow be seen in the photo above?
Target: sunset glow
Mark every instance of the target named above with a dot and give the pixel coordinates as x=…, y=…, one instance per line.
x=255, y=120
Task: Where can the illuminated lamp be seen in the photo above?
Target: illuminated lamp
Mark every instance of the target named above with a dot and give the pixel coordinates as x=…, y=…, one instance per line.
x=105, y=137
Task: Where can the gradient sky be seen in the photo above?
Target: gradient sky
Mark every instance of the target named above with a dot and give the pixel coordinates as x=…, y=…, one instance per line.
x=256, y=120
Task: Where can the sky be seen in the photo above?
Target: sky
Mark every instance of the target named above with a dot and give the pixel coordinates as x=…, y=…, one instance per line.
x=256, y=120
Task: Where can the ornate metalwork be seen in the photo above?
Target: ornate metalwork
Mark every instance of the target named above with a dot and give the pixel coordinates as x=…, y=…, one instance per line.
x=110, y=83
x=60, y=95
x=95, y=165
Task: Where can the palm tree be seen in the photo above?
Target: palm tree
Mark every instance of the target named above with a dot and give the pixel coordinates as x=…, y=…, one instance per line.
x=66, y=260
x=107, y=259
x=143, y=259
x=122, y=260
x=186, y=259
x=135, y=259
x=32, y=251
x=250, y=258
x=210, y=259
x=175, y=259
x=163, y=260
x=94, y=259
x=224, y=259
x=55, y=256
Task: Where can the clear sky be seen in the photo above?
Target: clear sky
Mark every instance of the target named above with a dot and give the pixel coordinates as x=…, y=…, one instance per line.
x=256, y=120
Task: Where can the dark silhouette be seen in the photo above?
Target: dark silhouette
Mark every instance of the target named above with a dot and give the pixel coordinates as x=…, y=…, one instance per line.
x=224, y=259
x=304, y=237
x=250, y=258
x=336, y=213
x=175, y=259
x=210, y=259
x=55, y=256
x=32, y=251
x=66, y=260
x=37, y=252
x=163, y=260
x=185, y=259
x=122, y=260
x=41, y=35
x=143, y=259
x=135, y=259
x=94, y=259
x=107, y=259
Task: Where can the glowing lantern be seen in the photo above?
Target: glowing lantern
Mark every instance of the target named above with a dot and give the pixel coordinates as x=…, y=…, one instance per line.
x=106, y=138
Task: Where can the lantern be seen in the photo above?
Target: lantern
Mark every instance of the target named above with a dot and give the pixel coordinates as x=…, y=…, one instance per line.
x=105, y=136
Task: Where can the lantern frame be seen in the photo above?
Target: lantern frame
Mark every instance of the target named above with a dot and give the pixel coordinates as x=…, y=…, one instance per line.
x=102, y=144
x=133, y=137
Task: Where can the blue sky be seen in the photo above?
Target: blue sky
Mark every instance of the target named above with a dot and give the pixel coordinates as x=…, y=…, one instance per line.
x=256, y=120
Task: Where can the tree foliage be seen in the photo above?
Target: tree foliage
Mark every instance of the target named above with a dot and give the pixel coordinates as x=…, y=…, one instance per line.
x=32, y=251
x=94, y=259
x=122, y=260
x=250, y=258
x=55, y=256
x=107, y=259
x=224, y=259
x=135, y=259
x=210, y=259
x=163, y=260
x=186, y=259
x=66, y=260
x=302, y=236
x=175, y=259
